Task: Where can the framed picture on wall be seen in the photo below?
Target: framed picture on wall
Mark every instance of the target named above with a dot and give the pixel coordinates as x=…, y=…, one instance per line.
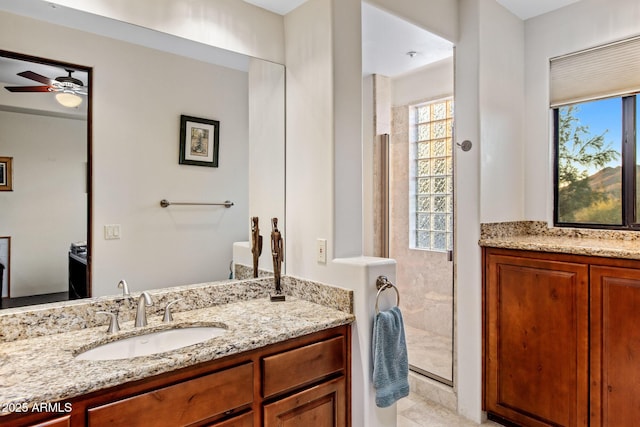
x=6, y=174
x=199, y=141
x=5, y=258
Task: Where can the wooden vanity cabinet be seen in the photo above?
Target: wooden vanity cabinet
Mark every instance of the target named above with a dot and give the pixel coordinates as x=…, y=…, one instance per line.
x=536, y=354
x=305, y=378
x=561, y=342
x=320, y=406
x=615, y=346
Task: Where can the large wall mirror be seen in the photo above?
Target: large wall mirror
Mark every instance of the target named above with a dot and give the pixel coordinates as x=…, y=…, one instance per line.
x=125, y=137
x=45, y=215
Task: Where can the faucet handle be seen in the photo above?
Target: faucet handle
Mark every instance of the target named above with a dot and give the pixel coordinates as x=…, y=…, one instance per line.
x=167, y=311
x=113, y=324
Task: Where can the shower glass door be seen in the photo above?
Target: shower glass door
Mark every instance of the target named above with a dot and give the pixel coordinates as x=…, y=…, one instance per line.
x=421, y=231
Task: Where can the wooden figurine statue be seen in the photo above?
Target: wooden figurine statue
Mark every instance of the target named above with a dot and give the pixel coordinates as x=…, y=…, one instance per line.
x=277, y=253
x=256, y=244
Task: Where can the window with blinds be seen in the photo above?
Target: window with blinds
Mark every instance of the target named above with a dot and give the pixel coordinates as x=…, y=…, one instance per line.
x=593, y=100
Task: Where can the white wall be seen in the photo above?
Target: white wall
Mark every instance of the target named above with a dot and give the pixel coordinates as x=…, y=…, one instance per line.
x=310, y=141
x=228, y=24
x=581, y=25
x=501, y=85
x=468, y=299
x=266, y=153
x=47, y=209
x=324, y=173
x=369, y=133
x=489, y=112
x=138, y=97
x=347, y=106
x=435, y=81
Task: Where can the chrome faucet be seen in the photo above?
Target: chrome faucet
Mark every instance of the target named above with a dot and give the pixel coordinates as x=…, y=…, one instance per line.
x=141, y=314
x=122, y=284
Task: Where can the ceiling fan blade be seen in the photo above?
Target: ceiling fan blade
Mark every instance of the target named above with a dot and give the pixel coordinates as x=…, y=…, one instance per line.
x=27, y=88
x=36, y=77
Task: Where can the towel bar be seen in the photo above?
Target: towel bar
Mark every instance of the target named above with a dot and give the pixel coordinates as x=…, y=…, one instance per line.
x=165, y=203
x=382, y=283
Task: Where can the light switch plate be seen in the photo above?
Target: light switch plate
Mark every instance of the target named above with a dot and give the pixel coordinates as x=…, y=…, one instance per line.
x=112, y=231
x=322, y=251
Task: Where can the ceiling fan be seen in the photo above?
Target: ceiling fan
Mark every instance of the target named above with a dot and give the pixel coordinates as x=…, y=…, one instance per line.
x=67, y=88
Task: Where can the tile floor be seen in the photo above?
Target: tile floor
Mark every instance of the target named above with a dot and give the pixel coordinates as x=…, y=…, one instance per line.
x=413, y=411
x=430, y=352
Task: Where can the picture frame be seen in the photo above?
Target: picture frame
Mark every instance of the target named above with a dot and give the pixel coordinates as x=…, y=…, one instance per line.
x=199, y=141
x=5, y=260
x=6, y=174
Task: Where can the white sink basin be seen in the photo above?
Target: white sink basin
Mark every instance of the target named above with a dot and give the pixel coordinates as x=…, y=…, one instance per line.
x=151, y=343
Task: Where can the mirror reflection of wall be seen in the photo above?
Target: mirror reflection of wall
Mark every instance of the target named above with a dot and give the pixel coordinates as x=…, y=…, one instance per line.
x=46, y=211
x=139, y=94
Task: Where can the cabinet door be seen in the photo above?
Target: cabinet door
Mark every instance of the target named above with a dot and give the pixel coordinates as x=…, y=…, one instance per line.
x=615, y=346
x=536, y=340
x=320, y=406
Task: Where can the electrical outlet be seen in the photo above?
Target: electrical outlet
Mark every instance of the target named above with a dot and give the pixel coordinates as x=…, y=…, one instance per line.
x=322, y=251
x=112, y=231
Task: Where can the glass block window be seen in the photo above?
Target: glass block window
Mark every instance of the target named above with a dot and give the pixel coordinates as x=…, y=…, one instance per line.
x=431, y=186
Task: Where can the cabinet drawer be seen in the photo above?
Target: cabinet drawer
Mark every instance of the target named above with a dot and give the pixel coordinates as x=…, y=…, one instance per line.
x=181, y=404
x=64, y=421
x=294, y=368
x=244, y=420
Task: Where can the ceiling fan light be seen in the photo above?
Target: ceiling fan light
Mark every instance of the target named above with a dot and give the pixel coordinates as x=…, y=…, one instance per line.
x=68, y=99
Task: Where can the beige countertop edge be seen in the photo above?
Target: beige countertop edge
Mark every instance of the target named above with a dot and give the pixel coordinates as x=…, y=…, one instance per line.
x=568, y=245
x=40, y=370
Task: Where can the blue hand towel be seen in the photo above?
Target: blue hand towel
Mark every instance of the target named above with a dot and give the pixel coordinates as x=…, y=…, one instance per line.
x=390, y=361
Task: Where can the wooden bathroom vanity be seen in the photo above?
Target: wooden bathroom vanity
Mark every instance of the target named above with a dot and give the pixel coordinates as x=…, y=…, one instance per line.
x=561, y=337
x=286, y=363
x=302, y=381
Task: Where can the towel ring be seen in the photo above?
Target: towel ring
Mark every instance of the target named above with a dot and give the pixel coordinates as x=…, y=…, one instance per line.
x=382, y=283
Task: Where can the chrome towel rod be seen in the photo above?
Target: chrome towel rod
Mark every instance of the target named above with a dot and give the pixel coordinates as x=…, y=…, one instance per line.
x=165, y=203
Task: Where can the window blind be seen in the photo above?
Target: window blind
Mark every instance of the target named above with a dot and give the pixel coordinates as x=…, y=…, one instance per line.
x=600, y=72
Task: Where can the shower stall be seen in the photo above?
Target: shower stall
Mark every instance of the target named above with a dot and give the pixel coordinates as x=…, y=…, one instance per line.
x=414, y=218
x=409, y=174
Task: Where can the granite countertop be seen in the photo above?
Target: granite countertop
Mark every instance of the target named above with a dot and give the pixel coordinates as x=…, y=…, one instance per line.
x=42, y=369
x=536, y=236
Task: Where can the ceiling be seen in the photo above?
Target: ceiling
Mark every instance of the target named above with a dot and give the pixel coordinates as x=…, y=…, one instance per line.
x=281, y=7
x=524, y=9
x=385, y=52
